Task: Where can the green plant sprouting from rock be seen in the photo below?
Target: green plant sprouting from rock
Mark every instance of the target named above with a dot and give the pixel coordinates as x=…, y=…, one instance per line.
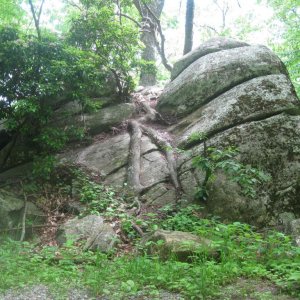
x=214, y=160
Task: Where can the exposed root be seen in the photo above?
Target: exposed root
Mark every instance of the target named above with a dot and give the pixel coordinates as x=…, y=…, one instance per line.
x=138, y=229
x=151, y=114
x=168, y=151
x=135, y=205
x=134, y=161
x=145, y=101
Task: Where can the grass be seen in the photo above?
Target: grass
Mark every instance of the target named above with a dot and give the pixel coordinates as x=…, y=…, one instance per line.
x=244, y=253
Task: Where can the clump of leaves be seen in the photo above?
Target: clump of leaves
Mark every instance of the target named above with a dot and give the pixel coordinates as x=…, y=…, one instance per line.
x=225, y=160
x=38, y=77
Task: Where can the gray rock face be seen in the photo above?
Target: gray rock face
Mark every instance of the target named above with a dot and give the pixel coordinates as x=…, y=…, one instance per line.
x=106, y=156
x=96, y=122
x=253, y=100
x=236, y=95
x=210, y=46
x=295, y=231
x=181, y=245
x=92, y=230
x=11, y=213
x=109, y=158
x=108, y=117
x=214, y=74
x=271, y=144
x=239, y=97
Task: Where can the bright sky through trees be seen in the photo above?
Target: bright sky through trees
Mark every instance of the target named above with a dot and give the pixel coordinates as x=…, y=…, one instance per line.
x=208, y=14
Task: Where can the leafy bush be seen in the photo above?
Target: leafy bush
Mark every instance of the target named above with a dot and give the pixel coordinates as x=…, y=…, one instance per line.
x=225, y=160
x=115, y=44
x=37, y=76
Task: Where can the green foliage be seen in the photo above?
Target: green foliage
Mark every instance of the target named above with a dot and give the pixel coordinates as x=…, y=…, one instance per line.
x=11, y=12
x=242, y=253
x=36, y=78
x=215, y=160
x=115, y=44
x=186, y=219
x=43, y=167
x=97, y=197
x=287, y=13
x=196, y=137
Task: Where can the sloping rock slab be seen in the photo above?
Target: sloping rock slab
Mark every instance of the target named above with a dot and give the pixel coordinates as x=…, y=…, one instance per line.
x=214, y=74
x=106, y=156
x=255, y=99
x=177, y=244
x=91, y=229
x=153, y=168
x=108, y=117
x=210, y=46
x=159, y=195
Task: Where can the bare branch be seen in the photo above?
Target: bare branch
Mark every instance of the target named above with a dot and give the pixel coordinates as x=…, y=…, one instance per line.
x=130, y=18
x=211, y=28
x=36, y=17
x=154, y=27
x=160, y=47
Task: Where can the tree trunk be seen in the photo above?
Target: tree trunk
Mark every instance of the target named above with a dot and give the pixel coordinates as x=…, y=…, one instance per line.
x=148, y=71
x=189, y=20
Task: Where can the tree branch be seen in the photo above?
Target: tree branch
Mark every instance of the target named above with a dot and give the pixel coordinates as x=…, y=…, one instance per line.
x=160, y=47
x=130, y=18
x=36, y=17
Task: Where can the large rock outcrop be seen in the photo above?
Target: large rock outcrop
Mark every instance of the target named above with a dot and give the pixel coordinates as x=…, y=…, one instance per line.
x=213, y=74
x=234, y=95
x=211, y=46
x=258, y=114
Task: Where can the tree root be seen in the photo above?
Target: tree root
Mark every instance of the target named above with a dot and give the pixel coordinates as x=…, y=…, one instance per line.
x=151, y=114
x=134, y=161
x=136, y=129
x=167, y=150
x=137, y=229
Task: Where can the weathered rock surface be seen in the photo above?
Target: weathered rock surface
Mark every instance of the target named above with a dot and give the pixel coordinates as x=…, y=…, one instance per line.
x=214, y=74
x=19, y=172
x=271, y=144
x=210, y=46
x=181, y=245
x=240, y=97
x=91, y=230
x=96, y=122
x=234, y=94
x=290, y=225
x=295, y=231
x=11, y=214
x=255, y=99
x=109, y=158
x=108, y=117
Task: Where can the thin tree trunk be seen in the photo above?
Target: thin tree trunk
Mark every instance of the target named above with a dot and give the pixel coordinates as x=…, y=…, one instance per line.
x=148, y=71
x=36, y=17
x=189, y=21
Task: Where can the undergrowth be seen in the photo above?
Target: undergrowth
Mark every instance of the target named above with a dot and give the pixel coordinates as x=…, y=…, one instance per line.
x=243, y=253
